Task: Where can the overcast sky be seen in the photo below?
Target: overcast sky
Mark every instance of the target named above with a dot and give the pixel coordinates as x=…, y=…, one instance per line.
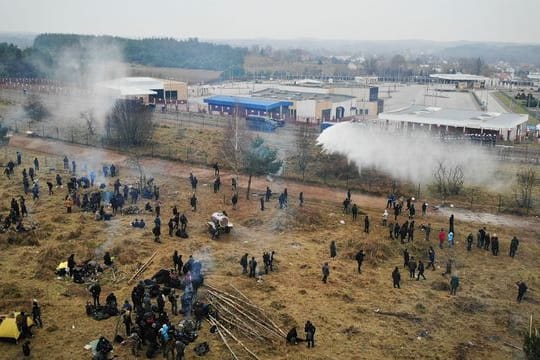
x=483, y=20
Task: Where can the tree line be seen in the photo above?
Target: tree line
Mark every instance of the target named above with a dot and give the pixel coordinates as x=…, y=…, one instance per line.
x=50, y=50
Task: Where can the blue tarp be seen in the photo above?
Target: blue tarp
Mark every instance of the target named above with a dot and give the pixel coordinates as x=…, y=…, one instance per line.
x=247, y=103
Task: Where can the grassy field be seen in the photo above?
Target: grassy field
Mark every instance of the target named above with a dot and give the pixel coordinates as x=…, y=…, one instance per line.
x=425, y=321
x=256, y=63
x=188, y=75
x=515, y=106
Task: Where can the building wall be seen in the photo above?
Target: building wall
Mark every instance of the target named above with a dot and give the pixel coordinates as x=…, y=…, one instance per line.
x=370, y=106
x=180, y=87
x=305, y=109
x=357, y=92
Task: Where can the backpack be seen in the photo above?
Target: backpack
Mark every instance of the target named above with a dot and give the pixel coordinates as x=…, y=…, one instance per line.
x=202, y=349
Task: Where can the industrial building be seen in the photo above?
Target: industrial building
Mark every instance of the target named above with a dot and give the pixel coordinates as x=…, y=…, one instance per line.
x=149, y=90
x=244, y=106
x=462, y=81
x=507, y=126
x=312, y=106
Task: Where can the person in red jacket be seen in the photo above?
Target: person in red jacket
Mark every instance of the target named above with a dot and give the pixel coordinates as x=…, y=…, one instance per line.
x=442, y=237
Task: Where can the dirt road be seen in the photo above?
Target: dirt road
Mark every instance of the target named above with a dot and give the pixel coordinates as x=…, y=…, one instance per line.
x=96, y=156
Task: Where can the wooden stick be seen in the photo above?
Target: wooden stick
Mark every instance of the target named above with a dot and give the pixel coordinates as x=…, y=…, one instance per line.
x=235, y=338
x=530, y=326
x=513, y=346
x=243, y=325
x=143, y=267
x=263, y=313
x=258, y=322
x=222, y=307
x=223, y=338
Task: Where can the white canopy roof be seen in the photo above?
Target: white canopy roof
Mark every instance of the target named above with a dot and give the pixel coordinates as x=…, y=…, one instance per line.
x=455, y=118
x=459, y=77
x=132, y=86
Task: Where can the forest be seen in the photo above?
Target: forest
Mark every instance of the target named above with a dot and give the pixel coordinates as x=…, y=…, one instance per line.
x=49, y=50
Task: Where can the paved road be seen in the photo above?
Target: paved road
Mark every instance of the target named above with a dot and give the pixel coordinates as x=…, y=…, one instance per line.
x=405, y=95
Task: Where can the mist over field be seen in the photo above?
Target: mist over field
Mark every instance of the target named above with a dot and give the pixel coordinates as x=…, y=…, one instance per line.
x=408, y=157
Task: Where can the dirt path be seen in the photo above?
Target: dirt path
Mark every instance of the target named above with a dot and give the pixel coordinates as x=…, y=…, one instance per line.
x=95, y=156
x=155, y=166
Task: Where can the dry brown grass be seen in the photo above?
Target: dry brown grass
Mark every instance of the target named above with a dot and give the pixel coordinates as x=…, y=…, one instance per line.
x=484, y=312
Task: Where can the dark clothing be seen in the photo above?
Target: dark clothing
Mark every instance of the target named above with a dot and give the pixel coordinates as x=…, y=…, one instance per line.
x=26, y=349
x=36, y=315
x=513, y=246
x=310, y=334
x=252, y=267
x=244, y=263
x=360, y=259
x=495, y=246
x=354, y=211
x=522, y=289
x=325, y=272
x=333, y=249
x=431, y=255
x=420, y=270
x=95, y=290
x=396, y=278
x=470, y=240
x=406, y=257
x=412, y=268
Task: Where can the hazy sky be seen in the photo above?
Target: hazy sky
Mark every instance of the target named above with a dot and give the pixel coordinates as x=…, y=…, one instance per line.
x=486, y=20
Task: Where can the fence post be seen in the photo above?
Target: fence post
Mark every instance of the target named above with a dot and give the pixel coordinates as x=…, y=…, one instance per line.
x=500, y=204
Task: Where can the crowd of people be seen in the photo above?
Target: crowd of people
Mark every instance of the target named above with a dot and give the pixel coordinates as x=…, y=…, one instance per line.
x=146, y=321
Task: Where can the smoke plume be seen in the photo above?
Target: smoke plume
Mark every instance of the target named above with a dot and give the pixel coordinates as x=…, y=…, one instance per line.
x=412, y=157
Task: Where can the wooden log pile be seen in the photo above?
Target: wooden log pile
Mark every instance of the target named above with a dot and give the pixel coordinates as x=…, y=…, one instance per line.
x=238, y=317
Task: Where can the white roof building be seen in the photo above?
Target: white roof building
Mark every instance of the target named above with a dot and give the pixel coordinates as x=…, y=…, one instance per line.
x=506, y=124
x=459, y=77
x=133, y=86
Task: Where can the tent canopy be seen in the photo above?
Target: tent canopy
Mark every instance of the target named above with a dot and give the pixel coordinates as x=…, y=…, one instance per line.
x=8, y=327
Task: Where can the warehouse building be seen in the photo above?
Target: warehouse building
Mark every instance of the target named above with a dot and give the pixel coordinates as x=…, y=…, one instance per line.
x=149, y=90
x=244, y=106
x=506, y=126
x=462, y=81
x=312, y=106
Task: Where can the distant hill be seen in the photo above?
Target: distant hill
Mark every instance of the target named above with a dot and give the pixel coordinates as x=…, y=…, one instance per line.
x=21, y=40
x=489, y=51
x=163, y=52
x=493, y=52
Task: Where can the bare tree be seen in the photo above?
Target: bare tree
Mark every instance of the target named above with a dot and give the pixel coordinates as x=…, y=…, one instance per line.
x=35, y=108
x=448, y=179
x=90, y=121
x=134, y=162
x=305, y=142
x=526, y=180
x=236, y=141
x=129, y=123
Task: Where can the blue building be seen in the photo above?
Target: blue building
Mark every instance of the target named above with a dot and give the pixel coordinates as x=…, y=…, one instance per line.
x=245, y=106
